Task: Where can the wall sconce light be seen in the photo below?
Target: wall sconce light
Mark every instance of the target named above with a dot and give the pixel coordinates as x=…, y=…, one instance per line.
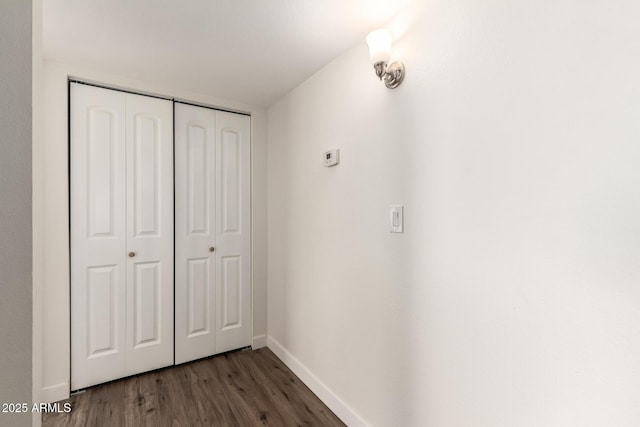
x=379, y=42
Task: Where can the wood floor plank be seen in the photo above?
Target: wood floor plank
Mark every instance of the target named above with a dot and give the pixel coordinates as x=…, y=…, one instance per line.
x=244, y=388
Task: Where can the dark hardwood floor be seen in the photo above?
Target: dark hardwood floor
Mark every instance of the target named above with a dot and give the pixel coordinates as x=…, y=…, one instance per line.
x=244, y=388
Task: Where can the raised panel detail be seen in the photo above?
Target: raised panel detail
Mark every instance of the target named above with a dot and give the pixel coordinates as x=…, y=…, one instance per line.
x=198, y=288
x=146, y=303
x=197, y=180
x=102, y=145
x=230, y=181
x=147, y=175
x=101, y=310
x=231, y=292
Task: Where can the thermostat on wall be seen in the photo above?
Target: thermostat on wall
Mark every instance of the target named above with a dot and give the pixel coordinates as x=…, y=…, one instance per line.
x=331, y=158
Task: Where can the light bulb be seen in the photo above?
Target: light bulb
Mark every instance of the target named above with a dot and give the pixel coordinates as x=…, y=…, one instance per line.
x=379, y=42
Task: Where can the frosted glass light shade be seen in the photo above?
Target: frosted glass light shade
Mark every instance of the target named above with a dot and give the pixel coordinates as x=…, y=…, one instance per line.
x=379, y=42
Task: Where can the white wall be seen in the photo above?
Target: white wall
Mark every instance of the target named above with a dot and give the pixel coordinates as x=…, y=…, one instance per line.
x=15, y=208
x=512, y=298
x=53, y=213
x=36, y=200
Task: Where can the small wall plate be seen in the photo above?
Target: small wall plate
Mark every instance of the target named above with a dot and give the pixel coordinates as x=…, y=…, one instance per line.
x=396, y=219
x=331, y=158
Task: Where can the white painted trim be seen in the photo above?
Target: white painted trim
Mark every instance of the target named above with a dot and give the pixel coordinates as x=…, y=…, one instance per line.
x=259, y=341
x=55, y=393
x=324, y=393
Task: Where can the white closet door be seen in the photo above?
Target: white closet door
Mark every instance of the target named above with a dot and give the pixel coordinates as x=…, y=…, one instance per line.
x=149, y=123
x=233, y=231
x=121, y=234
x=195, y=232
x=213, y=288
x=98, y=236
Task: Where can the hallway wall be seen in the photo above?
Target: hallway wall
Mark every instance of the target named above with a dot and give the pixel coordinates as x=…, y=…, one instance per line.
x=15, y=209
x=512, y=297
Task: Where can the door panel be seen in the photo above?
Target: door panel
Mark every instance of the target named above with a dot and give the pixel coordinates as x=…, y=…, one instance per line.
x=195, y=233
x=102, y=146
x=102, y=300
x=233, y=232
x=121, y=176
x=198, y=289
x=147, y=169
x=231, y=293
x=199, y=198
x=231, y=192
x=146, y=304
x=213, y=288
x=149, y=233
x=98, y=235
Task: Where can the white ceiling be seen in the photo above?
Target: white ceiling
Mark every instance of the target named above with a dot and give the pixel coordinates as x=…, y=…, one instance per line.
x=251, y=51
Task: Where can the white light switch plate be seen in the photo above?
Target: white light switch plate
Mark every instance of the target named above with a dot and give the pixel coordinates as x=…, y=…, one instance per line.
x=396, y=219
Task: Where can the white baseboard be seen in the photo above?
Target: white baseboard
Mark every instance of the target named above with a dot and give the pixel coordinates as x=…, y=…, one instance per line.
x=259, y=341
x=324, y=393
x=55, y=393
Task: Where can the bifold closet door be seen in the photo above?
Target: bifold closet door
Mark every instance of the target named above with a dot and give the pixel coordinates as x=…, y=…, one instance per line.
x=213, y=232
x=121, y=205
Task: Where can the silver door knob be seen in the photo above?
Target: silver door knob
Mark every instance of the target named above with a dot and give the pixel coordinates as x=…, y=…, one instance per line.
x=132, y=254
x=211, y=249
